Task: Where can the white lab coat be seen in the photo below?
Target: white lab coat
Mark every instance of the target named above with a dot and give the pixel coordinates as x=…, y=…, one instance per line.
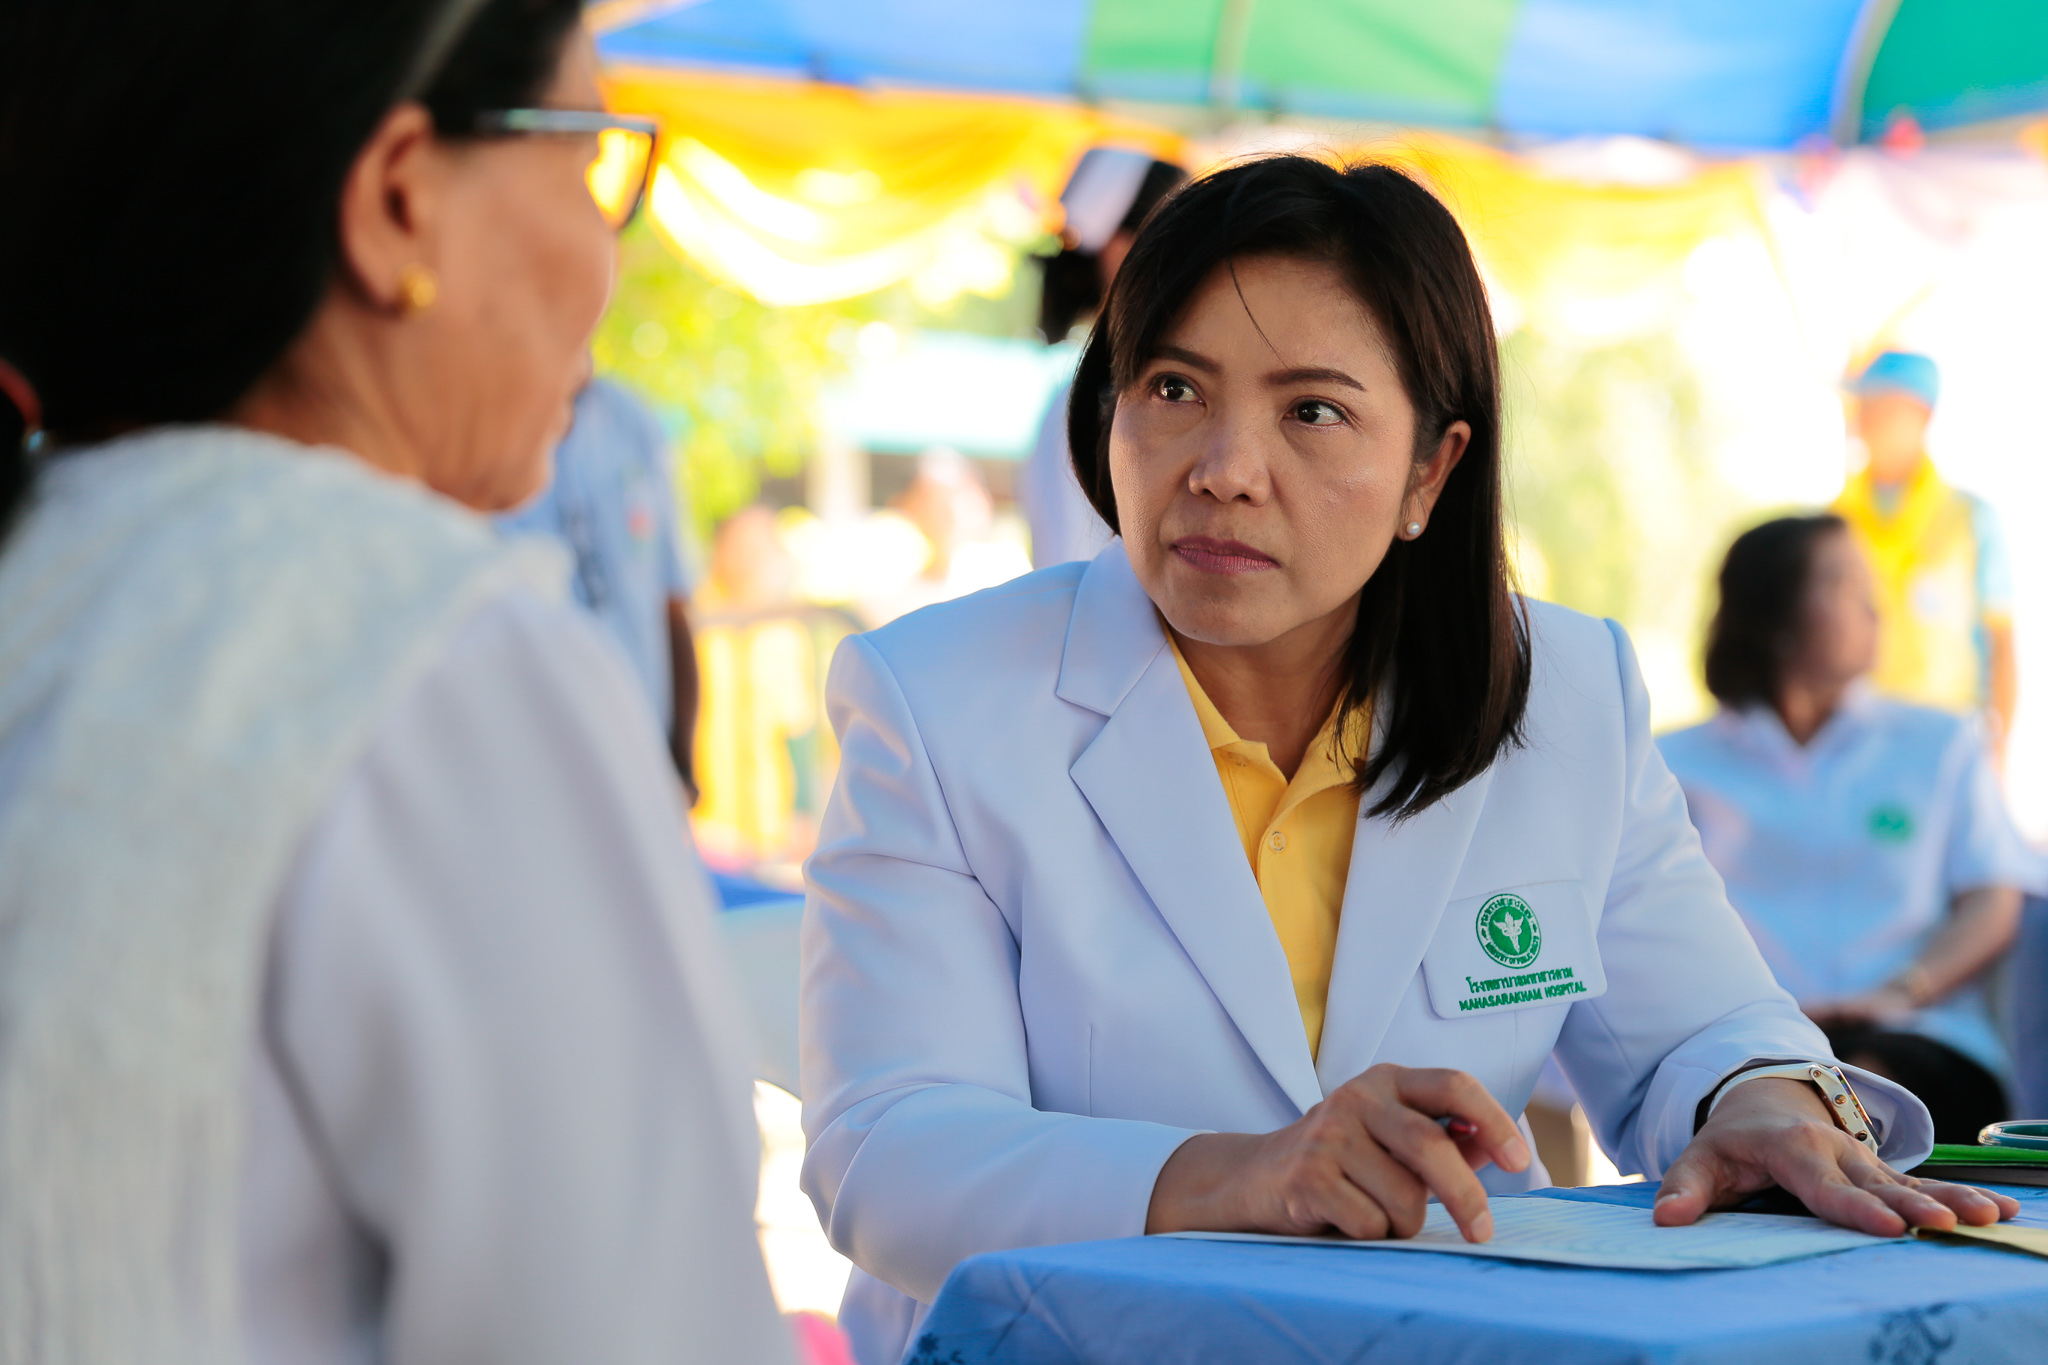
x=1064, y=525
x=1036, y=960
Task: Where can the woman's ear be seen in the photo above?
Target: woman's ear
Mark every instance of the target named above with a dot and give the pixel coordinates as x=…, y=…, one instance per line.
x=1426, y=481
x=390, y=208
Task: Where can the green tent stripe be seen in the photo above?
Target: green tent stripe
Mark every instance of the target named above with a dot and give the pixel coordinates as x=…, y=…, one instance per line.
x=1152, y=38
x=1443, y=54
x=1956, y=61
x=1436, y=60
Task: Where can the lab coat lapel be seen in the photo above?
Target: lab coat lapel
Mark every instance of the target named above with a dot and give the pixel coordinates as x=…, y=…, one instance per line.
x=1401, y=878
x=1149, y=776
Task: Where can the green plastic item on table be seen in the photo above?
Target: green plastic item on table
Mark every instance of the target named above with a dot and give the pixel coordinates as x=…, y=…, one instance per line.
x=1971, y=1154
x=1978, y=1164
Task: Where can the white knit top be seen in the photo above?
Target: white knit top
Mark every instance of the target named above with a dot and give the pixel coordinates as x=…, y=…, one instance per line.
x=203, y=634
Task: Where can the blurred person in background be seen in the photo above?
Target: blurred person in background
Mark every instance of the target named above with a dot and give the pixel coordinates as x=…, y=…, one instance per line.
x=750, y=569
x=951, y=508
x=1863, y=840
x=1942, y=579
x=360, y=997
x=613, y=504
x=1108, y=196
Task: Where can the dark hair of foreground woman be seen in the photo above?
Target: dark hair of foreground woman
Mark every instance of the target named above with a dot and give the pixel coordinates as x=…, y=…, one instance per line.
x=170, y=183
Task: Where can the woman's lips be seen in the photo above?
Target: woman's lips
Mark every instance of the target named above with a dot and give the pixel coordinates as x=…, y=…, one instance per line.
x=1222, y=556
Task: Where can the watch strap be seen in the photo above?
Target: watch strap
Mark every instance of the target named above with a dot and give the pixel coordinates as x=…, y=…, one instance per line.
x=1835, y=1092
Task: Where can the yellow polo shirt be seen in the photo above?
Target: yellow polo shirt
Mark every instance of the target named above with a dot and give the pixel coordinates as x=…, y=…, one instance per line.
x=1297, y=836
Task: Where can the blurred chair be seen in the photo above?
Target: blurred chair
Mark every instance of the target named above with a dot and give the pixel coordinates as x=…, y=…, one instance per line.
x=762, y=938
x=1562, y=1140
x=2026, y=982
x=765, y=757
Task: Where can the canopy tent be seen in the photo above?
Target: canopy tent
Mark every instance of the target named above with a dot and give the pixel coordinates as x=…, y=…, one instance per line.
x=1721, y=74
x=820, y=150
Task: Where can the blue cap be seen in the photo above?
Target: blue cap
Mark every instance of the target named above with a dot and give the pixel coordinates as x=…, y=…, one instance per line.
x=1901, y=372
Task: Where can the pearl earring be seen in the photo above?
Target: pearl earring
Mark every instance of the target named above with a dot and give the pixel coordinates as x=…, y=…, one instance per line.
x=1412, y=529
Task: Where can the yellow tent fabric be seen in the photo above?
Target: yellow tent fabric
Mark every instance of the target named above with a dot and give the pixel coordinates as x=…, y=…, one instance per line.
x=1548, y=237
x=804, y=193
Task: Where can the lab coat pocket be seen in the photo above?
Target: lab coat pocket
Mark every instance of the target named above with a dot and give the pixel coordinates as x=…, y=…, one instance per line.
x=1517, y=948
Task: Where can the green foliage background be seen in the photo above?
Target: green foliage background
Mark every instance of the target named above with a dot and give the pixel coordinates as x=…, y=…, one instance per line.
x=737, y=381
x=1611, y=480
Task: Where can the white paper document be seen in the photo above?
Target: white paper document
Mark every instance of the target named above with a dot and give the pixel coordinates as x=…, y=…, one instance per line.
x=1567, y=1232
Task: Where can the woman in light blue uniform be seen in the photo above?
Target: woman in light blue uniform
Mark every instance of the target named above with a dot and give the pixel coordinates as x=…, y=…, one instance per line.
x=1863, y=840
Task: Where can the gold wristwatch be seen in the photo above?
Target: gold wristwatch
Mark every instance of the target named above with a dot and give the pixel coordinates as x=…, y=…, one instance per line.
x=1835, y=1092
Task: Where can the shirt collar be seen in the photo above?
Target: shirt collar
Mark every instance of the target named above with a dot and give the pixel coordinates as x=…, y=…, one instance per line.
x=1761, y=725
x=1221, y=735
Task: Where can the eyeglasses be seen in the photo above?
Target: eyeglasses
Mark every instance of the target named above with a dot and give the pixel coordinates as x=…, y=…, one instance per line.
x=617, y=175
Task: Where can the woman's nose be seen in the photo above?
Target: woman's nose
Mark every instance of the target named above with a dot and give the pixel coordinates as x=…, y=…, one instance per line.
x=1232, y=465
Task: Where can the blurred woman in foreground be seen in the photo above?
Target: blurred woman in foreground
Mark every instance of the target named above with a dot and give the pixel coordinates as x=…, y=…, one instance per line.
x=1863, y=840
x=354, y=996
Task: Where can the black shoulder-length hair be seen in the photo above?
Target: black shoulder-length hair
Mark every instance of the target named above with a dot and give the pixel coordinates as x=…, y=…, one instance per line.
x=1441, y=646
x=171, y=179
x=1756, y=629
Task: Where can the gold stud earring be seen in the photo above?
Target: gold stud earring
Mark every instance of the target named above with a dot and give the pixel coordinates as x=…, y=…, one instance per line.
x=417, y=289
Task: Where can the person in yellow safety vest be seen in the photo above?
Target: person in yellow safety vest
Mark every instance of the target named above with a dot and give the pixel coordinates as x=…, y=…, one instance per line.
x=1944, y=585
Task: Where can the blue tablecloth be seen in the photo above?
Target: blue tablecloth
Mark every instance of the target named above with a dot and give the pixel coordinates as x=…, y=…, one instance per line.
x=1166, y=1301
x=735, y=891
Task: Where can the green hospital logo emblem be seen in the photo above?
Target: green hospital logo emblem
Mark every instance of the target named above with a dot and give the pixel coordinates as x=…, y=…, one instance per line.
x=1508, y=931
x=1891, y=823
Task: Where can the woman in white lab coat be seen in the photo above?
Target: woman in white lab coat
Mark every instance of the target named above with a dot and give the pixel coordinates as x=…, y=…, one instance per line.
x=1245, y=877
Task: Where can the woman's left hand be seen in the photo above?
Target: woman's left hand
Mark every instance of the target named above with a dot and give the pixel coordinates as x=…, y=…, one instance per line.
x=1777, y=1132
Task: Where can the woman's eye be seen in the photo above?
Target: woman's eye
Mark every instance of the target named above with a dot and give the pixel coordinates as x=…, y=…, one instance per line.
x=1174, y=389
x=1316, y=413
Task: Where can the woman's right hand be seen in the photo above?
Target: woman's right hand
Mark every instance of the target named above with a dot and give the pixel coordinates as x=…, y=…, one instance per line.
x=1363, y=1163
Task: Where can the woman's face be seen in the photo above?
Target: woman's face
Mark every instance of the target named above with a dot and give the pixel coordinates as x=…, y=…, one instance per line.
x=1264, y=459
x=1839, y=638
x=524, y=268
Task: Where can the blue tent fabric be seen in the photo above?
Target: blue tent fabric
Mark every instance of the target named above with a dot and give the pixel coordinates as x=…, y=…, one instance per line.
x=1734, y=74
x=1023, y=49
